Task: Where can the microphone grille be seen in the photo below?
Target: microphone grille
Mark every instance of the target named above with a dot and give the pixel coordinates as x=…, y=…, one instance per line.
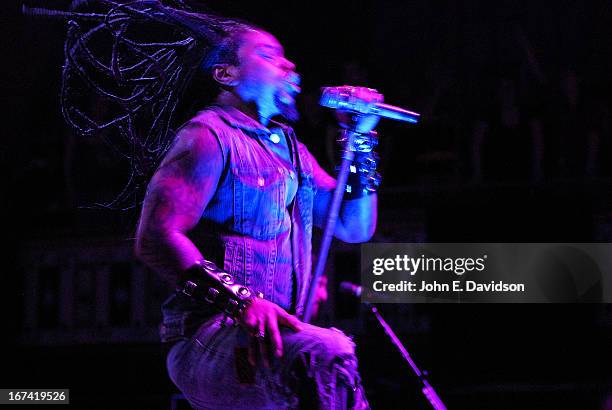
x=329, y=97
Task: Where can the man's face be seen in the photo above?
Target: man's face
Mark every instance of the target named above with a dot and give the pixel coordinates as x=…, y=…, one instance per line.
x=266, y=77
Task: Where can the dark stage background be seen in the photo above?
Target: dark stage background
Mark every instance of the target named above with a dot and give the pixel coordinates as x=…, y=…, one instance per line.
x=515, y=146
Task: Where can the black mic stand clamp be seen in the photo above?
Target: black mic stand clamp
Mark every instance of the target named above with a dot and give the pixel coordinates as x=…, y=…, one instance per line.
x=426, y=388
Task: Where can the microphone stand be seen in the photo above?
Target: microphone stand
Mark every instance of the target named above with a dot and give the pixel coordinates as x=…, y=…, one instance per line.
x=348, y=154
x=427, y=389
x=340, y=98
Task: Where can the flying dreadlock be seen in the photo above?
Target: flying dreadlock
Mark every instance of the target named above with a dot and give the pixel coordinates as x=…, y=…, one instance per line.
x=138, y=57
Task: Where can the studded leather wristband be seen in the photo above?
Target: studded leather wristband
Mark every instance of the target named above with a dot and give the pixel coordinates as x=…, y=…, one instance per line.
x=363, y=179
x=205, y=282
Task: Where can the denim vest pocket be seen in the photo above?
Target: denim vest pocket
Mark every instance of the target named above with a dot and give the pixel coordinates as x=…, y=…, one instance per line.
x=305, y=197
x=258, y=201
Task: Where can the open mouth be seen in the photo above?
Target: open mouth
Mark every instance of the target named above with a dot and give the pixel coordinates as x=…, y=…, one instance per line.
x=293, y=88
x=292, y=80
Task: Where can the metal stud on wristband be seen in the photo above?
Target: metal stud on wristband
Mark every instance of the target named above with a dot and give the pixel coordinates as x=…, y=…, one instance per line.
x=358, y=186
x=362, y=142
x=205, y=281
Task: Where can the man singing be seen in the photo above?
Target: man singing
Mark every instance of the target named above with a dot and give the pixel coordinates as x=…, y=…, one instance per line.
x=238, y=189
x=234, y=198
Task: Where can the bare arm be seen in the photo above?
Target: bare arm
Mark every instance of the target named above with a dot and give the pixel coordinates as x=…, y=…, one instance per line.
x=176, y=197
x=357, y=218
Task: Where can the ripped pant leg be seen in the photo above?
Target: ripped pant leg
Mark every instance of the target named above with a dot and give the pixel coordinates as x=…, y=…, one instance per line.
x=324, y=374
x=336, y=386
x=318, y=370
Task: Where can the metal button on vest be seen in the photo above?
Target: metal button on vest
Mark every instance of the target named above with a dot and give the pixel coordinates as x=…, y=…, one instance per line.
x=274, y=138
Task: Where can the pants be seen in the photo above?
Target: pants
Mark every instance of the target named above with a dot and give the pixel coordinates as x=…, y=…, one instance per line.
x=318, y=370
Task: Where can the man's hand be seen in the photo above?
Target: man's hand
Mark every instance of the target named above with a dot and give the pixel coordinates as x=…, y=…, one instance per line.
x=359, y=122
x=262, y=320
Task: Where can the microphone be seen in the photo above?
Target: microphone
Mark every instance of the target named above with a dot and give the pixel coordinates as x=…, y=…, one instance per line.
x=340, y=98
x=357, y=291
x=352, y=289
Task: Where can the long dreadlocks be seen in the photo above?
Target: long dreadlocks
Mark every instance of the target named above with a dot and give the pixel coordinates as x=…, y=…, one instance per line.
x=138, y=57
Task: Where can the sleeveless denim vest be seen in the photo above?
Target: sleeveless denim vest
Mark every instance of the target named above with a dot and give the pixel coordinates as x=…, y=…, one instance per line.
x=247, y=219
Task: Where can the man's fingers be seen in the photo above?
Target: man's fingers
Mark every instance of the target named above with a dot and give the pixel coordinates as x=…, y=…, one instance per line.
x=264, y=330
x=261, y=341
x=368, y=94
x=275, y=337
x=258, y=331
x=291, y=322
